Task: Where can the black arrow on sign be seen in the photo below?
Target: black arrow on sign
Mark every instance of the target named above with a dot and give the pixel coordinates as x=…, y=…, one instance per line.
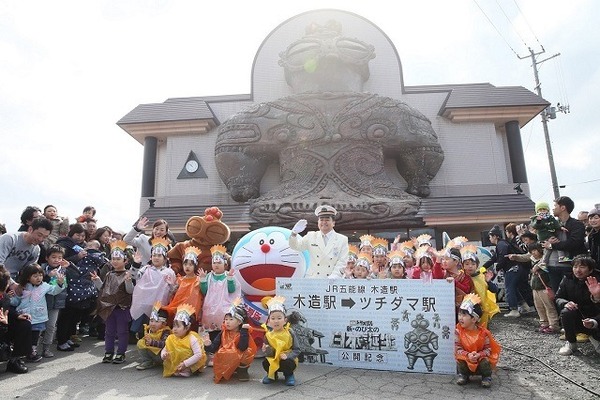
x=348, y=303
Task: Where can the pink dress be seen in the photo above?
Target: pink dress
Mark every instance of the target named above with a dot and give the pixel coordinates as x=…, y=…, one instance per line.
x=217, y=302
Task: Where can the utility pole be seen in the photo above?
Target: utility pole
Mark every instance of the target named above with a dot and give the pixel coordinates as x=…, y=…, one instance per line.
x=545, y=115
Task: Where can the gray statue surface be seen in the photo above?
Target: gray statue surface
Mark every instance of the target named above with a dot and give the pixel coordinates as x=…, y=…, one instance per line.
x=331, y=140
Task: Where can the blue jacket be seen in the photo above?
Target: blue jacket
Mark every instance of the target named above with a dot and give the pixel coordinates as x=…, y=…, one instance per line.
x=55, y=302
x=33, y=301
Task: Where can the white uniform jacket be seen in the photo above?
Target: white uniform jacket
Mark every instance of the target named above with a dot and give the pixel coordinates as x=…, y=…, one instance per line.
x=324, y=260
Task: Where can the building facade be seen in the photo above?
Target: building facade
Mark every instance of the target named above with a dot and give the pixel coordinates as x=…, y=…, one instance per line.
x=475, y=169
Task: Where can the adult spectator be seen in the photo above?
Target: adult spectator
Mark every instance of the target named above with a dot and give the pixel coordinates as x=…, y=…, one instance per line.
x=27, y=216
x=73, y=243
x=142, y=242
x=570, y=240
x=583, y=216
x=22, y=248
x=514, y=273
x=594, y=236
x=91, y=227
x=328, y=249
x=528, y=238
x=575, y=302
x=15, y=329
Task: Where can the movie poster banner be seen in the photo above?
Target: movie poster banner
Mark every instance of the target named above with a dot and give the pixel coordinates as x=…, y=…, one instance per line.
x=385, y=324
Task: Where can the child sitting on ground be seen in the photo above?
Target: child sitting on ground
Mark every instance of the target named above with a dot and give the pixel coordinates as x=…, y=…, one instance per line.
x=183, y=353
x=281, y=346
x=476, y=351
x=233, y=348
x=114, y=302
x=155, y=337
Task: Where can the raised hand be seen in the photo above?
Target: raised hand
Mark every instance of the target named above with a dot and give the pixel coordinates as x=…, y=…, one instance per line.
x=94, y=276
x=137, y=257
x=299, y=226
x=4, y=317
x=201, y=273
x=142, y=223
x=593, y=287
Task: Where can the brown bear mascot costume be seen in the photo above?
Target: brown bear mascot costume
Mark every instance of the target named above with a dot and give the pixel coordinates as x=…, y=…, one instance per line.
x=204, y=232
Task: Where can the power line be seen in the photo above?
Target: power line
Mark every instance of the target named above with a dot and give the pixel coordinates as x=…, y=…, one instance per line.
x=491, y=23
x=527, y=22
x=511, y=24
x=581, y=183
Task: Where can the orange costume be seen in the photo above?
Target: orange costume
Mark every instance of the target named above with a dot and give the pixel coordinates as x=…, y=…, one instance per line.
x=188, y=292
x=478, y=340
x=229, y=357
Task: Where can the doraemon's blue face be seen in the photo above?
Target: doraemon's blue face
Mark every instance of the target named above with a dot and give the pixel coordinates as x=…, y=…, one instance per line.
x=263, y=255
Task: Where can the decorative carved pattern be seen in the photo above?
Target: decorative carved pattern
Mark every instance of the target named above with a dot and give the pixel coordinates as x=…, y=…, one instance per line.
x=331, y=141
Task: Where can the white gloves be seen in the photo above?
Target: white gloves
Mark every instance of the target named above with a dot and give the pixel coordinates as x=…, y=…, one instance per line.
x=300, y=226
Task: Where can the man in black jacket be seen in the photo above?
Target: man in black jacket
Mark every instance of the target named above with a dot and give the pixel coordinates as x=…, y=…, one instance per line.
x=514, y=273
x=594, y=236
x=572, y=242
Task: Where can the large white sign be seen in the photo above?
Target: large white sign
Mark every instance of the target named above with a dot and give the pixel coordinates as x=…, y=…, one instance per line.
x=385, y=324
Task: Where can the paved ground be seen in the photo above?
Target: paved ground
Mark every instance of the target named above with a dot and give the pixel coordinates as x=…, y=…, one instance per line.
x=80, y=375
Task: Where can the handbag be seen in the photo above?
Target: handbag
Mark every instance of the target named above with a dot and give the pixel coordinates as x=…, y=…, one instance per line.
x=549, y=290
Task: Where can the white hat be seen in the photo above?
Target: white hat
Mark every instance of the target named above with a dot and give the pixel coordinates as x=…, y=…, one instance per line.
x=325, y=211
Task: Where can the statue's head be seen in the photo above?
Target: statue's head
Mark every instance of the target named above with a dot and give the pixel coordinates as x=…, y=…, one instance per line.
x=324, y=60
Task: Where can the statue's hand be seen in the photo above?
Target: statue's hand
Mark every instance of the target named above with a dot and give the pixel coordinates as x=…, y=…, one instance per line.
x=300, y=226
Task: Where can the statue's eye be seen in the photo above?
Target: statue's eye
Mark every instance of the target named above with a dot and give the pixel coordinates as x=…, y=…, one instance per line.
x=272, y=241
x=262, y=241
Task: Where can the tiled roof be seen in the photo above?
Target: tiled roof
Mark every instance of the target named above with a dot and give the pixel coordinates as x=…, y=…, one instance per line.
x=192, y=109
x=482, y=95
x=483, y=205
x=178, y=216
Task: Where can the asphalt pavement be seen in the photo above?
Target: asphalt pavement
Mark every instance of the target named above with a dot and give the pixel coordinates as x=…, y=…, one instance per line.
x=81, y=375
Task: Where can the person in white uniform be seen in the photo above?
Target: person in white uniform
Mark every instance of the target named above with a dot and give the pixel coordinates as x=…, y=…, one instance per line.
x=328, y=249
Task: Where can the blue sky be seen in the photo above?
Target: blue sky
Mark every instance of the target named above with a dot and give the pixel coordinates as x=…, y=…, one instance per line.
x=69, y=70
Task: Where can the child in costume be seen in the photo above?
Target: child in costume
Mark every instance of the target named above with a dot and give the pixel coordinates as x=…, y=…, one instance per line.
x=380, y=260
x=155, y=337
x=451, y=264
x=220, y=289
x=424, y=268
x=475, y=349
x=188, y=285
x=471, y=268
x=183, y=353
x=397, y=265
x=365, y=244
x=351, y=262
x=411, y=270
x=154, y=282
x=233, y=348
x=114, y=302
x=32, y=301
x=362, y=270
x=281, y=346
